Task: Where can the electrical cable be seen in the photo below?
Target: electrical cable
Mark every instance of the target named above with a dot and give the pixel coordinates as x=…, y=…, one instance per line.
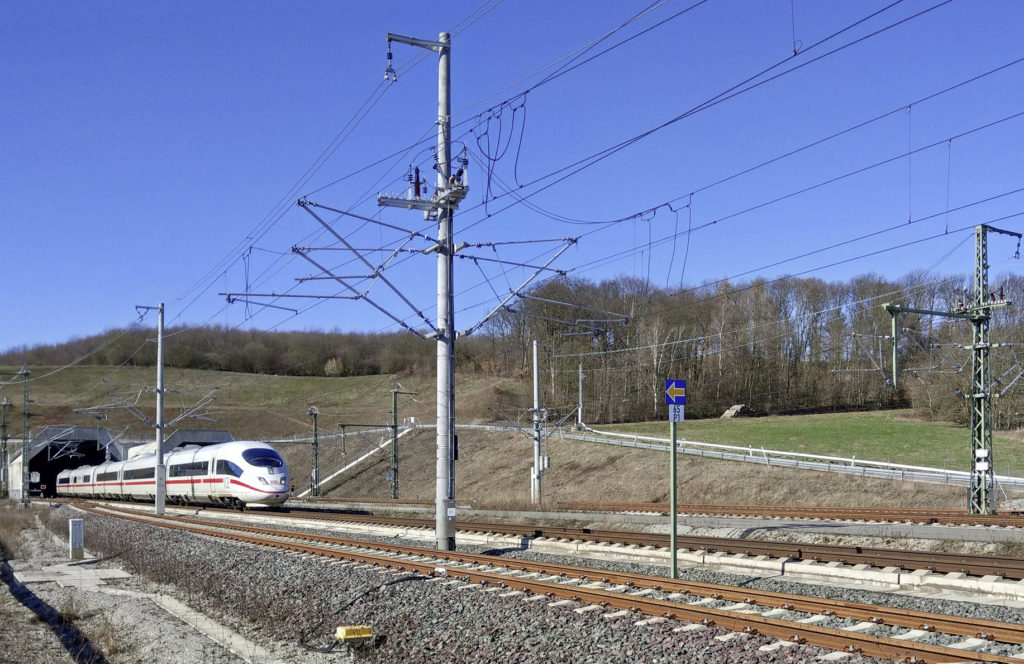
x=860, y=125
x=303, y=640
x=830, y=37
x=824, y=183
x=822, y=41
x=738, y=89
x=77, y=360
x=570, y=56
x=278, y=210
x=848, y=44
x=768, y=282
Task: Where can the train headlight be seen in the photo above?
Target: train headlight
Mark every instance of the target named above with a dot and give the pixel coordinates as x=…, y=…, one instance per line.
x=263, y=480
x=284, y=480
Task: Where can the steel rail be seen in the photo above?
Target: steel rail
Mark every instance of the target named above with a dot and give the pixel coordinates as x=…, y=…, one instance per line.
x=907, y=515
x=1005, y=632
x=375, y=501
x=835, y=639
x=973, y=565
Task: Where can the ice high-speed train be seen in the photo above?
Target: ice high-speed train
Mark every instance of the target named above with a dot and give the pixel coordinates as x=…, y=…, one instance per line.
x=238, y=473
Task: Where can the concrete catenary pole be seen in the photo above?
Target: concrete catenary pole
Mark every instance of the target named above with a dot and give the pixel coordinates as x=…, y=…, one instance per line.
x=160, y=470
x=24, y=441
x=450, y=190
x=5, y=486
x=445, y=490
x=314, y=472
x=394, y=444
x=579, y=410
x=535, y=474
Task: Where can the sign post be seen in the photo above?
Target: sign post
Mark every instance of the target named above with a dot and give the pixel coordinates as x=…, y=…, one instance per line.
x=675, y=399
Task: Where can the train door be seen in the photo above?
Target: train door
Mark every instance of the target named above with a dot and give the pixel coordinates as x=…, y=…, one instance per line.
x=220, y=487
x=193, y=479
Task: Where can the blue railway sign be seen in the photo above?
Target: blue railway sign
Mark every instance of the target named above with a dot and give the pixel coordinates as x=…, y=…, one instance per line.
x=675, y=392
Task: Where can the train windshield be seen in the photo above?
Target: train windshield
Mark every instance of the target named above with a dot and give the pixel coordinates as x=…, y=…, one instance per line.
x=263, y=458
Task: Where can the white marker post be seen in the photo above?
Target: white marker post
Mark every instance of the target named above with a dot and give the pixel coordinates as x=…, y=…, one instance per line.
x=76, y=538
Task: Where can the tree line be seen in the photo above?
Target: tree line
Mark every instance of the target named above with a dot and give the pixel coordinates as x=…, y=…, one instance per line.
x=781, y=346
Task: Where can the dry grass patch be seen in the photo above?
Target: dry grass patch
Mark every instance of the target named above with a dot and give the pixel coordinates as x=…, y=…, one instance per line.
x=494, y=471
x=1009, y=550
x=14, y=519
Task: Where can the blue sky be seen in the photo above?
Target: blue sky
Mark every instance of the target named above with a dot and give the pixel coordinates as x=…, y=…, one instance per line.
x=153, y=151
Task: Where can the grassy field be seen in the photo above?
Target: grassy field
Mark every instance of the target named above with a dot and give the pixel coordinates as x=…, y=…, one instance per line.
x=249, y=405
x=494, y=467
x=880, y=436
x=494, y=471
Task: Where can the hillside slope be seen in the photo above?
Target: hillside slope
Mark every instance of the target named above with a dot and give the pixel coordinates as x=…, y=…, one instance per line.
x=493, y=468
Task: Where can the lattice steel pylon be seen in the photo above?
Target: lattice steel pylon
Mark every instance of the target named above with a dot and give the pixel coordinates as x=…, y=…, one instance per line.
x=981, y=494
x=981, y=498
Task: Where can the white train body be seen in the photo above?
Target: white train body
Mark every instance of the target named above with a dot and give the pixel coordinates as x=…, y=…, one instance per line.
x=235, y=473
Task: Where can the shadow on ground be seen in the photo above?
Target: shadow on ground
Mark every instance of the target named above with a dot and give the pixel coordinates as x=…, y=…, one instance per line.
x=77, y=645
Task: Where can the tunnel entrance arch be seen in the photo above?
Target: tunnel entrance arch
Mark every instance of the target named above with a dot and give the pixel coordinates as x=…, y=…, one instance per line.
x=57, y=448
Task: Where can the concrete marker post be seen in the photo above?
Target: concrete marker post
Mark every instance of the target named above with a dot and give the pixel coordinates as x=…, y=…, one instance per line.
x=76, y=538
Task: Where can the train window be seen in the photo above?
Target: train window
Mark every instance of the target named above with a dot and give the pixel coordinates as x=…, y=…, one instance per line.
x=107, y=477
x=139, y=473
x=63, y=480
x=225, y=467
x=262, y=457
x=86, y=478
x=188, y=469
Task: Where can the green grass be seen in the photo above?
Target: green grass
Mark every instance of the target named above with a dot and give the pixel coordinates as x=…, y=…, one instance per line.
x=257, y=406
x=894, y=436
x=274, y=407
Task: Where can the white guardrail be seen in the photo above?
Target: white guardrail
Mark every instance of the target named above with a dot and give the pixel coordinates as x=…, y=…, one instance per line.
x=760, y=455
x=748, y=454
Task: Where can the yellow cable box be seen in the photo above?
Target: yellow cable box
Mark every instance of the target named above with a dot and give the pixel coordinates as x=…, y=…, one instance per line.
x=354, y=633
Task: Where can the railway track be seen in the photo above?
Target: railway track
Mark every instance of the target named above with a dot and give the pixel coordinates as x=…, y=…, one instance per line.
x=790, y=618
x=972, y=565
x=887, y=514
x=1013, y=519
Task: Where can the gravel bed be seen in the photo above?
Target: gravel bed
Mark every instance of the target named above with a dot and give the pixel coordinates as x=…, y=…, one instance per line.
x=773, y=584
x=912, y=603
x=51, y=623
x=283, y=600
x=934, y=605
